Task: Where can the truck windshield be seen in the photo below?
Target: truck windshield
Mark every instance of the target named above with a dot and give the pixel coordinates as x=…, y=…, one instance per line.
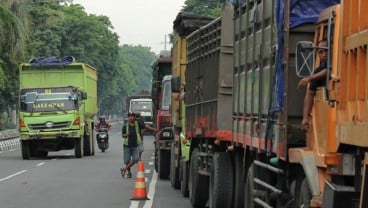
x=47, y=102
x=137, y=106
x=166, y=96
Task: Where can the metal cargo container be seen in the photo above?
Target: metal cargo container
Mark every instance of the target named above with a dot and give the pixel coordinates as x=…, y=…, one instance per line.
x=209, y=79
x=267, y=106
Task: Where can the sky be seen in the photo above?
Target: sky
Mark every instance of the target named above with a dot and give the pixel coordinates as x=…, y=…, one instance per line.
x=138, y=22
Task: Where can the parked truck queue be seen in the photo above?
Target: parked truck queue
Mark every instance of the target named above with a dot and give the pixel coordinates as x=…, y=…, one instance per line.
x=234, y=137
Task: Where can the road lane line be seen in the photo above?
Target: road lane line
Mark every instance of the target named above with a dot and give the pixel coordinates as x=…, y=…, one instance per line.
x=147, y=171
x=11, y=176
x=152, y=189
x=11, y=150
x=134, y=204
x=150, y=163
x=40, y=164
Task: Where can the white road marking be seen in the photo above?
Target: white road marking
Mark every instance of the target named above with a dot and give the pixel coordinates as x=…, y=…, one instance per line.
x=152, y=158
x=68, y=154
x=150, y=163
x=147, y=171
x=11, y=150
x=151, y=193
x=134, y=204
x=11, y=176
x=40, y=164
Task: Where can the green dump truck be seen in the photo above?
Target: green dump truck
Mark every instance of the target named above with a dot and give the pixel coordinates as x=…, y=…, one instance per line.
x=58, y=100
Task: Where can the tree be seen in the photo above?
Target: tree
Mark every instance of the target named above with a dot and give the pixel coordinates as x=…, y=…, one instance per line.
x=139, y=59
x=11, y=52
x=210, y=8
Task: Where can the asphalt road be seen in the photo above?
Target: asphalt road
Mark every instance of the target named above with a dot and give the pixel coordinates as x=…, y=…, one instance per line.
x=62, y=181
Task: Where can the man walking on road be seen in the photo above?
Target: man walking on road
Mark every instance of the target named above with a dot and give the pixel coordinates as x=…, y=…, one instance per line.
x=131, y=133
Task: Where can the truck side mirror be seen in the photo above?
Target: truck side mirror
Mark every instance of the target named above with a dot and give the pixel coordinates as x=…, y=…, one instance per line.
x=84, y=95
x=175, y=84
x=305, y=54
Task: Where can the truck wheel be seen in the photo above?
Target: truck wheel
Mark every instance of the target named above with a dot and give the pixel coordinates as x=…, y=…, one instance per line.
x=156, y=157
x=221, y=181
x=184, y=181
x=26, y=149
x=174, y=171
x=87, y=144
x=164, y=164
x=93, y=144
x=249, y=186
x=304, y=195
x=78, y=147
x=42, y=153
x=239, y=183
x=198, y=184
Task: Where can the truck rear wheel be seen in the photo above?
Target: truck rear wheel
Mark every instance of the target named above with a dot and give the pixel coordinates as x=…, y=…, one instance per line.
x=198, y=184
x=42, y=153
x=164, y=164
x=221, y=181
x=26, y=149
x=78, y=147
x=303, y=194
x=184, y=178
x=174, y=171
x=239, y=182
x=249, y=187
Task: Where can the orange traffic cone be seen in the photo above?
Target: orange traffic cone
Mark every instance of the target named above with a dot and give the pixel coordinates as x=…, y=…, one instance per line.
x=140, y=184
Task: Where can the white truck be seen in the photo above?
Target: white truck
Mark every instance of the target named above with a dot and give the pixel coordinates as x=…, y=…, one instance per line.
x=141, y=103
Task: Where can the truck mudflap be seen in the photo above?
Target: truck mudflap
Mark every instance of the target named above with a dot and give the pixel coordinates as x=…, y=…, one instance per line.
x=339, y=196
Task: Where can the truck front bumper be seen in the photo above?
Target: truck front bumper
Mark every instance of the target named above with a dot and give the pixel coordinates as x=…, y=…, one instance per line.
x=50, y=134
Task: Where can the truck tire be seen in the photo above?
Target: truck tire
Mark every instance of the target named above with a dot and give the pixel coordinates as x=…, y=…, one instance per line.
x=164, y=164
x=156, y=154
x=198, y=184
x=87, y=144
x=26, y=149
x=249, y=187
x=184, y=180
x=78, y=147
x=93, y=144
x=174, y=171
x=42, y=153
x=303, y=193
x=221, y=181
x=239, y=182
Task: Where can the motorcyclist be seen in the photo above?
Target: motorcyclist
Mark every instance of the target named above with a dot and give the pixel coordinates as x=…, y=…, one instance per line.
x=102, y=124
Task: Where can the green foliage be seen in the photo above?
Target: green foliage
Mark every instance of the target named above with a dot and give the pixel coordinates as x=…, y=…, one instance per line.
x=210, y=8
x=11, y=51
x=139, y=59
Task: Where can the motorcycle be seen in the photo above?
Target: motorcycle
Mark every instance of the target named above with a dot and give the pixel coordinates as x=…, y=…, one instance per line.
x=103, y=139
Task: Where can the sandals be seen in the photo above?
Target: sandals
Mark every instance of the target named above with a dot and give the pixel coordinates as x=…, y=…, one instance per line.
x=122, y=171
x=129, y=175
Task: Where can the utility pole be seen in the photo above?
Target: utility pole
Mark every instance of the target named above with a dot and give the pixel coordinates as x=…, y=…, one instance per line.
x=165, y=42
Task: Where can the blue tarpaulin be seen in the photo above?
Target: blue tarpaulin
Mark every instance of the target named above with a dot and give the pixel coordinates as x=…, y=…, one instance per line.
x=51, y=61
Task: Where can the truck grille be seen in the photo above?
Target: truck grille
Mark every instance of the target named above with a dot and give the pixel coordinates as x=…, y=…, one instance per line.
x=55, y=125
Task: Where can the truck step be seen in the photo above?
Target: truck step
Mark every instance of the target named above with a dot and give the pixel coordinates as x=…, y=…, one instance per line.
x=268, y=167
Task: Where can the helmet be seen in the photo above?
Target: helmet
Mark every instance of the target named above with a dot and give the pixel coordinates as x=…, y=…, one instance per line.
x=102, y=118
